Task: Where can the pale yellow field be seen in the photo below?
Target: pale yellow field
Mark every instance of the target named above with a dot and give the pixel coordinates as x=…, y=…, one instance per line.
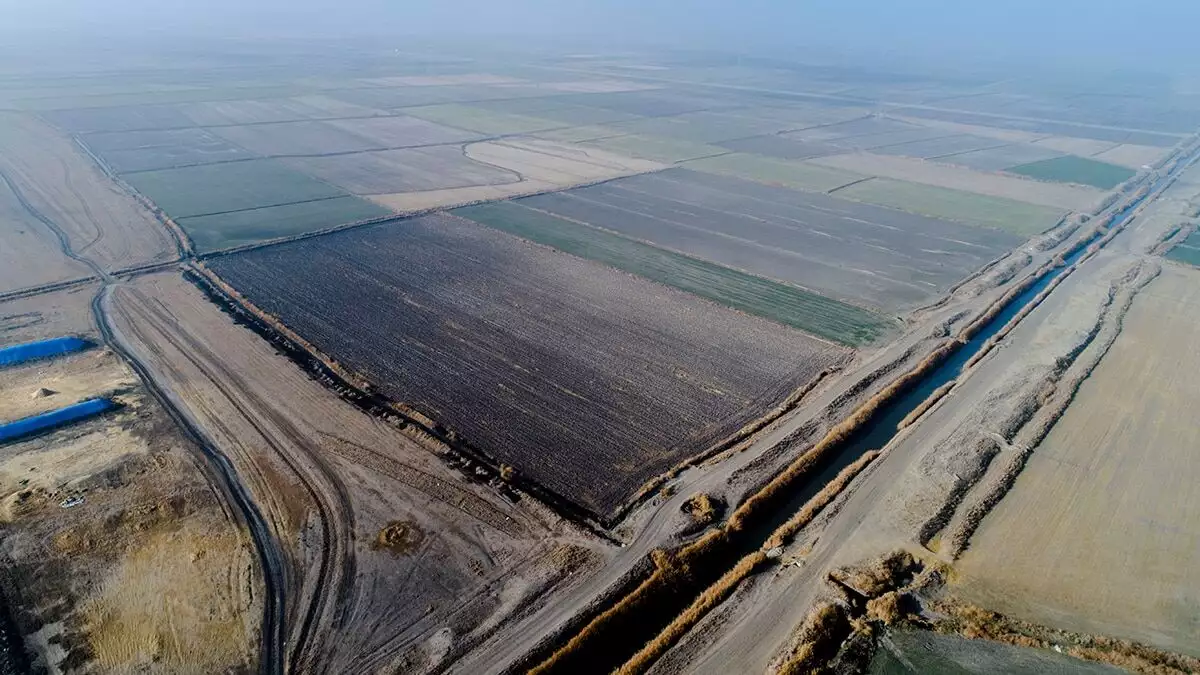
x=542, y=165
x=1132, y=156
x=1073, y=197
x=1101, y=532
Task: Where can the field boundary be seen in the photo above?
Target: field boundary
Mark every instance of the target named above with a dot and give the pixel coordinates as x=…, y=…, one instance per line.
x=472, y=463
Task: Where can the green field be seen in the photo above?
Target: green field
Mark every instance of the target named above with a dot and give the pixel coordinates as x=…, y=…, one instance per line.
x=657, y=149
x=1072, y=169
x=780, y=172
x=478, y=119
x=226, y=230
x=236, y=186
x=785, y=304
x=1187, y=251
x=966, y=207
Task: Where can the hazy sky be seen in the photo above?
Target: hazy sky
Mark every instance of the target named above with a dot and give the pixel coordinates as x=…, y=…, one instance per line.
x=1067, y=31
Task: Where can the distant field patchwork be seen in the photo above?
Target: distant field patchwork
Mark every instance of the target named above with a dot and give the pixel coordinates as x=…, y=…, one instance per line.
x=588, y=380
x=1071, y=169
x=869, y=256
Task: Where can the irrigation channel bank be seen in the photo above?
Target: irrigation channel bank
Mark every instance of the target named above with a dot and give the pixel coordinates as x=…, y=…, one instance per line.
x=605, y=640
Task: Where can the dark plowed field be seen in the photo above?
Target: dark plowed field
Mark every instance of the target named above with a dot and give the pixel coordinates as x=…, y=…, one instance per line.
x=587, y=380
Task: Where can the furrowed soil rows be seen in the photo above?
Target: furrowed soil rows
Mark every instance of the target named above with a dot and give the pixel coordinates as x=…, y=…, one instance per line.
x=859, y=253
x=589, y=381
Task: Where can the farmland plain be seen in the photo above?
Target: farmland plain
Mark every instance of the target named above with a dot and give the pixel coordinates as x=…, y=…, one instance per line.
x=1078, y=170
x=529, y=354
x=1124, y=560
x=875, y=257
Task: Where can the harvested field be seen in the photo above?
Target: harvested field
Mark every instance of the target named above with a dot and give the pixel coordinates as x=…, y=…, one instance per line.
x=997, y=159
x=1080, y=147
x=1114, y=528
x=782, y=147
x=409, y=170
x=314, y=107
x=529, y=354
x=62, y=183
x=481, y=120
x=442, y=80
x=1045, y=127
x=148, y=150
x=577, y=134
x=701, y=127
x=295, y=138
x=554, y=109
x=1068, y=197
x=205, y=190
x=1077, y=170
x=859, y=253
x=530, y=165
x=660, y=103
x=974, y=209
x=657, y=149
x=236, y=228
x=119, y=118
x=779, y=172
x=755, y=295
x=30, y=255
x=401, y=131
x=331, y=480
x=938, y=147
x=1131, y=156
x=47, y=315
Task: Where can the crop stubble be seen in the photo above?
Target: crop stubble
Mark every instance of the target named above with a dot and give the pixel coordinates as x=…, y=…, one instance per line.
x=588, y=380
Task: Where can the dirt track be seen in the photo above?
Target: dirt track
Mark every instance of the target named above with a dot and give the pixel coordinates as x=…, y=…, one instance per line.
x=904, y=489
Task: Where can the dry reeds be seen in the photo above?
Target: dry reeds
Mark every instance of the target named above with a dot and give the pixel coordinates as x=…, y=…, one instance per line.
x=835, y=437
x=930, y=401
x=819, y=637
x=702, y=508
x=710, y=598
x=784, y=533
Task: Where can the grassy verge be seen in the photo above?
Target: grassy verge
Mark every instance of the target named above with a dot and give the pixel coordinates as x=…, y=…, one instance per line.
x=791, y=306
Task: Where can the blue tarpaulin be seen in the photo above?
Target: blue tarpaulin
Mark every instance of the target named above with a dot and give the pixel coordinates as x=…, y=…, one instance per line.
x=55, y=418
x=42, y=349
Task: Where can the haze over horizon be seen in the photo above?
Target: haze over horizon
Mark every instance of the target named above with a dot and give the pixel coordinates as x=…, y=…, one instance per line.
x=1065, y=34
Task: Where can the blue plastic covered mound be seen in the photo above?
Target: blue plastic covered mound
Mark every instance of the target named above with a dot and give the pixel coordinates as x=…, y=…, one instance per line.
x=42, y=349
x=55, y=418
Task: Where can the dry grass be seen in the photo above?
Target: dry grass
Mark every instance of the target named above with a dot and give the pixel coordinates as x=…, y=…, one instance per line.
x=703, y=509
x=882, y=575
x=833, y=440
x=710, y=598
x=818, y=639
x=977, y=623
x=888, y=609
x=784, y=533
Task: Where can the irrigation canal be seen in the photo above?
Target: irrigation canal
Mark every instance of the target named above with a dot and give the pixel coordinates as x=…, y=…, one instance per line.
x=876, y=434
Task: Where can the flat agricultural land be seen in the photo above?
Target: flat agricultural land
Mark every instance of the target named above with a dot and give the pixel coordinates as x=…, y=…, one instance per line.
x=1099, y=533
x=1078, y=170
x=789, y=305
x=237, y=228
x=779, y=172
x=1068, y=197
x=587, y=380
x=481, y=120
x=876, y=257
x=996, y=212
x=129, y=151
x=59, y=180
x=30, y=255
x=408, y=170
x=998, y=159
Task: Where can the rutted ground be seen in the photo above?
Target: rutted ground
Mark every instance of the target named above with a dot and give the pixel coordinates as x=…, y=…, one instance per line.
x=385, y=542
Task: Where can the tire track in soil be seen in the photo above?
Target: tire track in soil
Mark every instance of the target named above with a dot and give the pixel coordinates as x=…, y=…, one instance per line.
x=220, y=472
x=336, y=515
